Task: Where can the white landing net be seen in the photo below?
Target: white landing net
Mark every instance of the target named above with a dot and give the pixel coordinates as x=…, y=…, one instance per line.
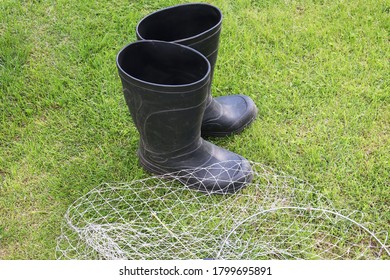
x=274, y=217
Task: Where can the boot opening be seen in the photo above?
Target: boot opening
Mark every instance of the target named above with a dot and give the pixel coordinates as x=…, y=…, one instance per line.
x=179, y=22
x=163, y=63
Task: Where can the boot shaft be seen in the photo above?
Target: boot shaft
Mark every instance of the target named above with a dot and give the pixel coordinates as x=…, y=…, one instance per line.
x=196, y=25
x=165, y=88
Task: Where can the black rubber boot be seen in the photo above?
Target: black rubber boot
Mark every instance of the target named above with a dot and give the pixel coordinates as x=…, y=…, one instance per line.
x=166, y=90
x=198, y=26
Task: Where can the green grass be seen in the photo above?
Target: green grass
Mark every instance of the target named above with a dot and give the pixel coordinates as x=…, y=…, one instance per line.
x=317, y=70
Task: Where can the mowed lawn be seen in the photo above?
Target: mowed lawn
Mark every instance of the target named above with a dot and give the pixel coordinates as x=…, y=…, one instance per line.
x=318, y=71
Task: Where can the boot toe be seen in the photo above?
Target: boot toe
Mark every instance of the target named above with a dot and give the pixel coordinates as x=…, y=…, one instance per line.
x=238, y=175
x=236, y=113
x=243, y=111
x=225, y=177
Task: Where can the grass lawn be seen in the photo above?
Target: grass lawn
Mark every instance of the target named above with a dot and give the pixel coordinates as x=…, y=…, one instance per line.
x=318, y=71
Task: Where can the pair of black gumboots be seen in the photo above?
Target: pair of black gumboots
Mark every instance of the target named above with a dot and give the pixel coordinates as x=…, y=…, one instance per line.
x=166, y=77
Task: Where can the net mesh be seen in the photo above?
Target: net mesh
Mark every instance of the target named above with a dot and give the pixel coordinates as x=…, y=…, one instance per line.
x=275, y=217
